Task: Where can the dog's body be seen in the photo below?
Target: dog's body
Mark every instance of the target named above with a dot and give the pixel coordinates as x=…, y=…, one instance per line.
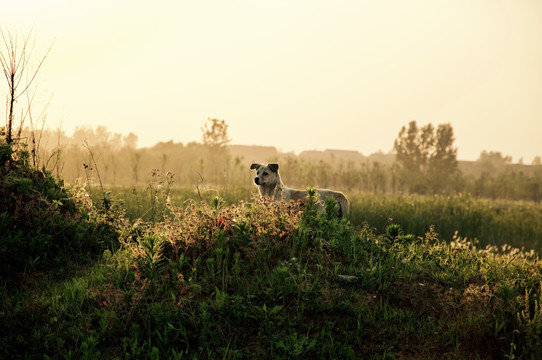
x=270, y=184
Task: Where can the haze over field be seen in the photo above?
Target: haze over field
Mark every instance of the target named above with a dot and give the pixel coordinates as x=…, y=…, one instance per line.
x=296, y=75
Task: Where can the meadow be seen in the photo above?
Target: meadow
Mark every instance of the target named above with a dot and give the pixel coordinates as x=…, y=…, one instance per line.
x=483, y=221
x=275, y=281
x=159, y=272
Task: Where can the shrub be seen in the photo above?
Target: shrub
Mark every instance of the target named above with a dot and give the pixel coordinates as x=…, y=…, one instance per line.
x=43, y=222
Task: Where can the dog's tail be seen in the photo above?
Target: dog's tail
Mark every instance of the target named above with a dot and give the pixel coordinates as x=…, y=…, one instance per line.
x=344, y=207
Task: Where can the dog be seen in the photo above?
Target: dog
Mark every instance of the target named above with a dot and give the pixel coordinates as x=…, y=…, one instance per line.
x=270, y=184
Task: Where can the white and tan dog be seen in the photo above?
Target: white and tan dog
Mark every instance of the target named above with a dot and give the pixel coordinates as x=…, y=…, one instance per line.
x=270, y=184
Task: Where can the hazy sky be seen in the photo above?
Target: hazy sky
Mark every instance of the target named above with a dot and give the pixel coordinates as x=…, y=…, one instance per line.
x=298, y=75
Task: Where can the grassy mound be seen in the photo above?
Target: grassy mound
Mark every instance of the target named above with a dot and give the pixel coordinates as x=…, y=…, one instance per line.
x=42, y=222
x=282, y=281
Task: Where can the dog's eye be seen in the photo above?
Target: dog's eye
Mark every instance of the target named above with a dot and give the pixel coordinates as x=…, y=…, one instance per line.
x=265, y=173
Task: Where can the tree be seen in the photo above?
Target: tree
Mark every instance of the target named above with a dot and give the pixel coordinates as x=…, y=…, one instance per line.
x=443, y=160
x=408, y=149
x=15, y=59
x=215, y=139
x=412, y=148
x=130, y=141
x=215, y=133
x=494, y=162
x=426, y=157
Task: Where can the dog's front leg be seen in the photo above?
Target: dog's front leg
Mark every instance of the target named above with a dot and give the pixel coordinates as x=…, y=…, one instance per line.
x=279, y=193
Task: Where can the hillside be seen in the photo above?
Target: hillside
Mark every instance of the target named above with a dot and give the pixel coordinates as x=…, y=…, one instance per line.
x=251, y=279
x=276, y=281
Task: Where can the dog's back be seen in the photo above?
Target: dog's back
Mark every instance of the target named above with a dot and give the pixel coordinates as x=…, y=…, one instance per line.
x=339, y=197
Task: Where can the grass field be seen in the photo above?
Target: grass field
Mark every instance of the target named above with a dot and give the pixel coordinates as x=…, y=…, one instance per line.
x=277, y=281
x=487, y=222
x=189, y=274
x=498, y=222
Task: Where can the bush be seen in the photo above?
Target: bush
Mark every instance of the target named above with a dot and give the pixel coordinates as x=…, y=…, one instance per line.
x=43, y=222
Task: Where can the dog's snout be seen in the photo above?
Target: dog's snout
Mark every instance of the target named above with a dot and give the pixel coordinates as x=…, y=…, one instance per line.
x=257, y=180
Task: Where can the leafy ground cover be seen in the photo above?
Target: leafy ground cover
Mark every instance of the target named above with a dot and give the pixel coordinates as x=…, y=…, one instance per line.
x=44, y=224
x=282, y=281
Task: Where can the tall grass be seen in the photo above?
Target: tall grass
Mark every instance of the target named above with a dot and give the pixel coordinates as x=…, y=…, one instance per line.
x=491, y=222
x=150, y=202
x=495, y=222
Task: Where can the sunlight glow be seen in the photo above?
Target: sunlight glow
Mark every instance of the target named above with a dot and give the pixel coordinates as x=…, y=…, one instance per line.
x=349, y=74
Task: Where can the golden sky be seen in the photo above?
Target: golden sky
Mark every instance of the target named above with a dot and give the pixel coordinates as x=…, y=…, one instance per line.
x=298, y=75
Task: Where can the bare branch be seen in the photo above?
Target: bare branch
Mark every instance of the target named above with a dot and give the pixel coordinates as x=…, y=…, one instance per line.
x=15, y=61
x=35, y=72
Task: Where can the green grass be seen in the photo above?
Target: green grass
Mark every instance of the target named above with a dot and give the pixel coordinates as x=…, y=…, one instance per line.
x=150, y=202
x=44, y=224
x=193, y=275
x=488, y=222
x=283, y=281
x=499, y=222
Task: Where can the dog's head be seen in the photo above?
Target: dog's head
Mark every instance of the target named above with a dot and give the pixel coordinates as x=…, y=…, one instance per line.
x=266, y=174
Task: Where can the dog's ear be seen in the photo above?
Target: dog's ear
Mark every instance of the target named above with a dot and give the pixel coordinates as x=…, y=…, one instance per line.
x=273, y=167
x=255, y=166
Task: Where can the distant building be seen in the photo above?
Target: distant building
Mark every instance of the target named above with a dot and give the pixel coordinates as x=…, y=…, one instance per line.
x=331, y=154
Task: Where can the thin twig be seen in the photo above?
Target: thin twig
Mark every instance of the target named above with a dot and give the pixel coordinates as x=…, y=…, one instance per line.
x=104, y=199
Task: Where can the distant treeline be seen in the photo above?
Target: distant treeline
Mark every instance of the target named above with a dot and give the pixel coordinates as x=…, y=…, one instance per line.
x=423, y=162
